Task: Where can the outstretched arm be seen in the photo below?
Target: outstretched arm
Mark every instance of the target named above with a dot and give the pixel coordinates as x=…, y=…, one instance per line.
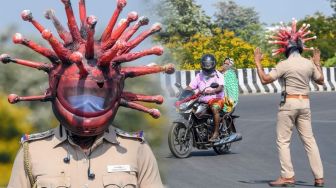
x=318, y=73
x=264, y=78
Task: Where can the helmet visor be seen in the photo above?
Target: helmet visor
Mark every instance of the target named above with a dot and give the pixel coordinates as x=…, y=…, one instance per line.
x=85, y=97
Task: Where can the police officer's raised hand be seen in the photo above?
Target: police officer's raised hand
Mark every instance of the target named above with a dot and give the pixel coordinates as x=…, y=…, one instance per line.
x=258, y=56
x=316, y=57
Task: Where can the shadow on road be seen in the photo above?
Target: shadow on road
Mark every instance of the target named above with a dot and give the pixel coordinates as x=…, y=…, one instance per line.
x=257, y=162
x=203, y=154
x=208, y=154
x=265, y=182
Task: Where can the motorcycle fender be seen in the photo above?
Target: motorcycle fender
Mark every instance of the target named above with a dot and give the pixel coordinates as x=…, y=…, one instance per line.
x=235, y=117
x=183, y=121
x=180, y=120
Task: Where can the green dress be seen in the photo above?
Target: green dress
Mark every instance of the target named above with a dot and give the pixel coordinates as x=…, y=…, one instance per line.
x=231, y=88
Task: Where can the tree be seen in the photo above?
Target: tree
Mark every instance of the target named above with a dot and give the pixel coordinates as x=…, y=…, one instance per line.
x=243, y=21
x=25, y=81
x=231, y=16
x=221, y=44
x=14, y=122
x=181, y=19
x=333, y=5
x=330, y=62
x=325, y=29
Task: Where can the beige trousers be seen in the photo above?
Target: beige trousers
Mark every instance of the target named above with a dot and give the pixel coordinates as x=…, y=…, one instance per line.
x=301, y=119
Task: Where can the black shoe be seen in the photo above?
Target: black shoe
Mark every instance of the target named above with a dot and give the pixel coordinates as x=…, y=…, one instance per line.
x=319, y=182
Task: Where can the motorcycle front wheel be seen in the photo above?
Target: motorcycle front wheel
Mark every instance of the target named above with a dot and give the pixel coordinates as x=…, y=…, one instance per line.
x=180, y=144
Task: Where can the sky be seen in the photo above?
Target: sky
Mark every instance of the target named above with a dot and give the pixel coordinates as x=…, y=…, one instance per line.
x=274, y=11
x=270, y=11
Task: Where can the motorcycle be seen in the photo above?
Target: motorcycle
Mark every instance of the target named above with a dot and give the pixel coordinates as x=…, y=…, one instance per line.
x=195, y=126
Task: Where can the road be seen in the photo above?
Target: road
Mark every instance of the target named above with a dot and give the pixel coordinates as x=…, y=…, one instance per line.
x=253, y=162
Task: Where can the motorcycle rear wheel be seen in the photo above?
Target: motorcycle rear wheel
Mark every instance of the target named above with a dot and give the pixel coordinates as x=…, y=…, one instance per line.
x=224, y=149
x=180, y=147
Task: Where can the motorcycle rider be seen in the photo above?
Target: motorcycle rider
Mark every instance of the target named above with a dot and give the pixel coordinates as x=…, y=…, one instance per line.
x=212, y=97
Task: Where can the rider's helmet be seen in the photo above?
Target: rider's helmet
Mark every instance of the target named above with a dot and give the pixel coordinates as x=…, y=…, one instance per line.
x=208, y=64
x=290, y=39
x=86, y=76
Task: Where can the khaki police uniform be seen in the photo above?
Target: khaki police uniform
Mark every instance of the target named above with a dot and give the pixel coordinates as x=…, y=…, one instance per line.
x=297, y=72
x=118, y=160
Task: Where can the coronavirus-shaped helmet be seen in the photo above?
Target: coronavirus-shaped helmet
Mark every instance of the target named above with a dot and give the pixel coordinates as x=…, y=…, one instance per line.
x=288, y=38
x=86, y=76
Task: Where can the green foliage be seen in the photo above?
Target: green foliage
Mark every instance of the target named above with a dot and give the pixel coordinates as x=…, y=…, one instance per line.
x=330, y=62
x=333, y=5
x=221, y=44
x=25, y=81
x=243, y=21
x=181, y=19
x=14, y=122
x=255, y=34
x=131, y=120
x=186, y=48
x=325, y=29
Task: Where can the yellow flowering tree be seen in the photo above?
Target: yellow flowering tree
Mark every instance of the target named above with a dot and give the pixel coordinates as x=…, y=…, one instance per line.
x=221, y=44
x=14, y=123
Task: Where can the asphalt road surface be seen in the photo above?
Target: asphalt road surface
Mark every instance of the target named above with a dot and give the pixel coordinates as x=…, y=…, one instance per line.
x=253, y=162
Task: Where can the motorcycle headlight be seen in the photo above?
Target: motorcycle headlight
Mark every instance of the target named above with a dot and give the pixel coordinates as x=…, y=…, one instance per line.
x=185, y=106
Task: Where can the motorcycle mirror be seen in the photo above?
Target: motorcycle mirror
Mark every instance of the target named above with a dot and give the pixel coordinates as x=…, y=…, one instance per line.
x=214, y=85
x=178, y=85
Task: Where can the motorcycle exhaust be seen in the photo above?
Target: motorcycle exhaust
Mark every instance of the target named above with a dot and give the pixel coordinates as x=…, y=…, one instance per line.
x=235, y=137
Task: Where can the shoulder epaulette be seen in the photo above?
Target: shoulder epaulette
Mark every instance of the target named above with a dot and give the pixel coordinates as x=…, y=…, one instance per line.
x=36, y=136
x=139, y=135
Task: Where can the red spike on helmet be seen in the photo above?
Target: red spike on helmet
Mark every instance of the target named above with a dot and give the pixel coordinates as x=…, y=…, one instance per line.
x=86, y=79
x=286, y=36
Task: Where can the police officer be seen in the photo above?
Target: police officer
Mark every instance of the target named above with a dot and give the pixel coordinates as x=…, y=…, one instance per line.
x=57, y=158
x=295, y=73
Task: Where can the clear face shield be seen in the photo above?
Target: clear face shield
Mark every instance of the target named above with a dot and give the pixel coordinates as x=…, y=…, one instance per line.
x=85, y=96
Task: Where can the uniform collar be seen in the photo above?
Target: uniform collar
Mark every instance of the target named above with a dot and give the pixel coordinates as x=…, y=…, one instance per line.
x=61, y=135
x=110, y=135
x=295, y=54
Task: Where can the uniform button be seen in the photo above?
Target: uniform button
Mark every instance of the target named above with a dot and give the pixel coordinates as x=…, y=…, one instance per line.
x=84, y=160
x=86, y=186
